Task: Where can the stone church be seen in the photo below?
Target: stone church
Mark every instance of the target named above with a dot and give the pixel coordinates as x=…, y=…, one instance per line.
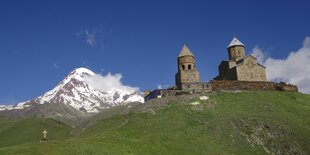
x=240, y=67
x=240, y=72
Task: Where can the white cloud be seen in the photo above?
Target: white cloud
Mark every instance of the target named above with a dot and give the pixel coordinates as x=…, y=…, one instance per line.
x=162, y=86
x=259, y=54
x=294, y=69
x=108, y=83
x=159, y=87
x=90, y=37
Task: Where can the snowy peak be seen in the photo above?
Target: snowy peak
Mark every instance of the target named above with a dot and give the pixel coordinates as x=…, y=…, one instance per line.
x=76, y=92
x=79, y=74
x=74, y=79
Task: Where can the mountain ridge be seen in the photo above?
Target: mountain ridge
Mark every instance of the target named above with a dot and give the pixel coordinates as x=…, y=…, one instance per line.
x=74, y=96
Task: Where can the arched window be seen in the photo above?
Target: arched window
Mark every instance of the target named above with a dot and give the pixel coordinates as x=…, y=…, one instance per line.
x=189, y=67
x=183, y=67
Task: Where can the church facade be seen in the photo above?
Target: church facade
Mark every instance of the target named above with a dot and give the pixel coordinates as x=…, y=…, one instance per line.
x=240, y=67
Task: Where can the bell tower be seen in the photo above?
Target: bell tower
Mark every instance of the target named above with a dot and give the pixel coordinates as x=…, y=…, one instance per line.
x=236, y=50
x=187, y=71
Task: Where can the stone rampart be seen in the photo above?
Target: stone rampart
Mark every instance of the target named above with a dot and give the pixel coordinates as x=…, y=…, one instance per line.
x=221, y=85
x=227, y=85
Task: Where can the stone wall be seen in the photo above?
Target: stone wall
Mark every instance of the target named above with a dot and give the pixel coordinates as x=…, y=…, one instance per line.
x=187, y=71
x=236, y=52
x=187, y=76
x=159, y=93
x=227, y=71
x=185, y=60
x=250, y=70
x=221, y=85
x=195, y=86
x=228, y=85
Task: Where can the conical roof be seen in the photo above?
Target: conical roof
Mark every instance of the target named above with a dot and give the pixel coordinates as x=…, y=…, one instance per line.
x=235, y=42
x=185, y=52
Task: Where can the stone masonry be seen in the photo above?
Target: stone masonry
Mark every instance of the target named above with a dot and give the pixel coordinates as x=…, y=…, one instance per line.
x=187, y=72
x=240, y=67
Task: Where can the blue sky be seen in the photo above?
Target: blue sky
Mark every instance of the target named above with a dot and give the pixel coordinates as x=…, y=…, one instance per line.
x=41, y=42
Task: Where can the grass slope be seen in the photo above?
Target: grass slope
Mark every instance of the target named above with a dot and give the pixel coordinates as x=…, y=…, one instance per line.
x=20, y=131
x=229, y=123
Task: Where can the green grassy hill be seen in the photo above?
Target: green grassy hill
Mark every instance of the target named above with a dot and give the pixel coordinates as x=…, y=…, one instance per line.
x=20, y=131
x=228, y=123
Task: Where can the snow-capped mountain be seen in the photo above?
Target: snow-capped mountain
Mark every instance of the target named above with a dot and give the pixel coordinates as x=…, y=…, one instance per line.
x=74, y=91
